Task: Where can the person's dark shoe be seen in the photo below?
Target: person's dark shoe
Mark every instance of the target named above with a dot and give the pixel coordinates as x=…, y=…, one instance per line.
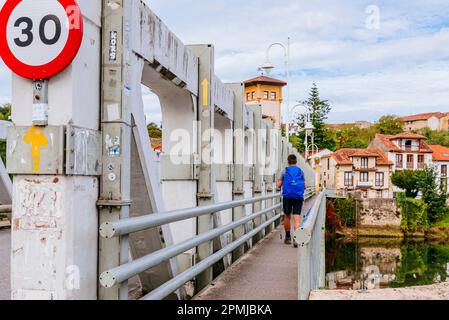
x=288, y=241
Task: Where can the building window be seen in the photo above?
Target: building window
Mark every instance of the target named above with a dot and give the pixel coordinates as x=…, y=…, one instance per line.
x=364, y=177
x=349, y=179
x=399, y=161
x=408, y=145
x=273, y=95
x=380, y=179
x=364, y=163
x=421, y=161
x=253, y=95
x=248, y=96
x=328, y=164
x=266, y=95
x=410, y=161
x=443, y=185
x=444, y=170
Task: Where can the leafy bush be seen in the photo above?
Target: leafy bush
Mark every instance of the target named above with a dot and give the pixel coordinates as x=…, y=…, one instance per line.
x=407, y=180
x=434, y=198
x=346, y=209
x=414, y=214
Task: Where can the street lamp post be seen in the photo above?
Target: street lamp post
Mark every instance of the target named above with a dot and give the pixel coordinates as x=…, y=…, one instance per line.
x=268, y=66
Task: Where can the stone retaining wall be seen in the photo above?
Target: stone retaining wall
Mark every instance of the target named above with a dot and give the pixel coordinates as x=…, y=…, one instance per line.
x=378, y=213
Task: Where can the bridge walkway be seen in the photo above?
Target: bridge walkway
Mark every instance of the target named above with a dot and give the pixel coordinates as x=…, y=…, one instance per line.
x=267, y=272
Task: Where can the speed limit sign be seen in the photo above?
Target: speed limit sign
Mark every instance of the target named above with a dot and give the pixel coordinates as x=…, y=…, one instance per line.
x=40, y=38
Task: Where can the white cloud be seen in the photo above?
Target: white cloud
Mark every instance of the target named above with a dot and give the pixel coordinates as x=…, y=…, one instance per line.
x=402, y=67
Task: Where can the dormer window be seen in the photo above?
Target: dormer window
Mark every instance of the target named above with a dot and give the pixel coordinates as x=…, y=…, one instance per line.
x=408, y=145
x=364, y=163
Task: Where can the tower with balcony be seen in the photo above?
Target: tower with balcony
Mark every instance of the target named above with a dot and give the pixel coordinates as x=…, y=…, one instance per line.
x=266, y=92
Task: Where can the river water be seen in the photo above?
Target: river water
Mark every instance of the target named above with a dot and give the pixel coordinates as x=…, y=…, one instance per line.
x=369, y=264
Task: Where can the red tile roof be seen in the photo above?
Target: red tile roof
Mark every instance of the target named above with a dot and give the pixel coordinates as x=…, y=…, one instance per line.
x=424, y=116
x=440, y=153
x=407, y=135
x=388, y=142
x=264, y=80
x=156, y=144
x=343, y=156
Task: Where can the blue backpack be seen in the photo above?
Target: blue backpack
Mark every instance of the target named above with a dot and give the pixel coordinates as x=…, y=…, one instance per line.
x=293, y=186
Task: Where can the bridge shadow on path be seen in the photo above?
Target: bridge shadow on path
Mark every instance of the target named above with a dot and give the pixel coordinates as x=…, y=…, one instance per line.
x=267, y=272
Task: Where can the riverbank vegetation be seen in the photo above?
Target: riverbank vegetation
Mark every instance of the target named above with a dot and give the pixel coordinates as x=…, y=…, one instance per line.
x=423, y=206
x=424, y=203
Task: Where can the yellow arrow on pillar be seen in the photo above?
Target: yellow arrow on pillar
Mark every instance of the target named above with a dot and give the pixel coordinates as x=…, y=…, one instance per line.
x=205, y=85
x=37, y=139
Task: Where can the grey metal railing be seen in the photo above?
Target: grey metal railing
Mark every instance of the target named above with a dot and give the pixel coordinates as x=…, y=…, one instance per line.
x=125, y=227
x=311, y=246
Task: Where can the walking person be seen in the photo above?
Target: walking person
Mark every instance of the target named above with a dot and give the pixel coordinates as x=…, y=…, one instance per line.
x=293, y=187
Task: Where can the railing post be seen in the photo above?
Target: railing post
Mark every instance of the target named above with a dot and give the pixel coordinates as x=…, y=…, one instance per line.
x=311, y=254
x=239, y=149
x=279, y=163
x=269, y=171
x=54, y=230
x=257, y=186
x=115, y=195
x=206, y=180
x=323, y=244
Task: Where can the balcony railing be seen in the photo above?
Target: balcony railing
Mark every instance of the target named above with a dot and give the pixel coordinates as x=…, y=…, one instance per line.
x=364, y=184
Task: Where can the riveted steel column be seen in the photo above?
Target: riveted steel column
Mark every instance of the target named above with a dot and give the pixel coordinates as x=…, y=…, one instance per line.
x=279, y=162
x=206, y=180
x=257, y=186
x=269, y=172
x=115, y=181
x=239, y=148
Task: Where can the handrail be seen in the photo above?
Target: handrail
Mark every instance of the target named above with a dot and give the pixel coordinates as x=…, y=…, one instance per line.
x=175, y=283
x=304, y=233
x=311, y=249
x=136, y=224
x=124, y=272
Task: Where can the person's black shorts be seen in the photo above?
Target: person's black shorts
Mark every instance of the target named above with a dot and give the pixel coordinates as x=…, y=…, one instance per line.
x=292, y=206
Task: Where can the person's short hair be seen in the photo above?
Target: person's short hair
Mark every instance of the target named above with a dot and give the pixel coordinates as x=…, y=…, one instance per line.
x=292, y=159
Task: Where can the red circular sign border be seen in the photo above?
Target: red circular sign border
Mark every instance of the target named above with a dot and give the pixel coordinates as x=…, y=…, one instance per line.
x=53, y=67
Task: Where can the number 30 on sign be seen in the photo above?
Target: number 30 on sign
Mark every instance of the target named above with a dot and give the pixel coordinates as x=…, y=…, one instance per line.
x=40, y=38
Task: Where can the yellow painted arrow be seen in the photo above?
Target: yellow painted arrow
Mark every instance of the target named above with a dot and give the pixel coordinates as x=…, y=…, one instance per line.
x=37, y=139
x=205, y=85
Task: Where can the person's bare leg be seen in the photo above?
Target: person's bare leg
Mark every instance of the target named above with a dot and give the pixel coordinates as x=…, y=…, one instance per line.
x=298, y=220
x=287, y=227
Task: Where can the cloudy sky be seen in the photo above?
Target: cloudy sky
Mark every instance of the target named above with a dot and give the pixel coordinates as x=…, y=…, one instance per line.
x=368, y=58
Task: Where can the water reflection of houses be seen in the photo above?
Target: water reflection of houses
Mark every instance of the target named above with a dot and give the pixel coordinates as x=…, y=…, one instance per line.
x=376, y=269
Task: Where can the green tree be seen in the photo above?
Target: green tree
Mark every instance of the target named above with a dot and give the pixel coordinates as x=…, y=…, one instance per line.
x=319, y=110
x=434, y=198
x=390, y=124
x=424, y=181
x=154, y=131
x=407, y=180
x=5, y=111
x=435, y=137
